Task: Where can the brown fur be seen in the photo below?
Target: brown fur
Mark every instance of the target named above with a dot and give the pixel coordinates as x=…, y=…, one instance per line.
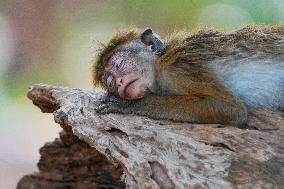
x=250, y=37
x=187, y=89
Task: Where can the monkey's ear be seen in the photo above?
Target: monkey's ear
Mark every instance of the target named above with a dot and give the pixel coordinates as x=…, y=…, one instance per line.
x=152, y=40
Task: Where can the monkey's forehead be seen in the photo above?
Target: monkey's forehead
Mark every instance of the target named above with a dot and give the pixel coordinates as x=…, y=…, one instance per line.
x=118, y=56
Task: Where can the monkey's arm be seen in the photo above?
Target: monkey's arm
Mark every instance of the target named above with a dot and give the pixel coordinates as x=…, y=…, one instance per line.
x=181, y=108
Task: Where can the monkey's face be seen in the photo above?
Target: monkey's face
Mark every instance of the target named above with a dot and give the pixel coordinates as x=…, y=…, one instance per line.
x=130, y=71
x=130, y=74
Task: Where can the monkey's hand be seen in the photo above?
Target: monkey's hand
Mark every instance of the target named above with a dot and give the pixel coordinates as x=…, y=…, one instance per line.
x=113, y=104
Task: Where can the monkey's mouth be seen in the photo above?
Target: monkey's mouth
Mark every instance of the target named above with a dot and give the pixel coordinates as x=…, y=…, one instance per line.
x=128, y=86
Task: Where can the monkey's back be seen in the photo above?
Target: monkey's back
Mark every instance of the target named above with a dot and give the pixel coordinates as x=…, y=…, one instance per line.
x=250, y=62
x=258, y=83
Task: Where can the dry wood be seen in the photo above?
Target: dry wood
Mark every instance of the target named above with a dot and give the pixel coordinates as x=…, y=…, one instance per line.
x=164, y=154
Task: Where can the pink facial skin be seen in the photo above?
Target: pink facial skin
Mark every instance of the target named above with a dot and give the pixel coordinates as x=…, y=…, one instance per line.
x=125, y=78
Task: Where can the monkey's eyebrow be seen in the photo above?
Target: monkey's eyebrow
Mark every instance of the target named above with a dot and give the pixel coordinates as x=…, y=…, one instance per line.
x=116, y=60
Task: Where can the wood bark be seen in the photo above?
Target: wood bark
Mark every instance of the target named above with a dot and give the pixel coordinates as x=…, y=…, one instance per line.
x=164, y=154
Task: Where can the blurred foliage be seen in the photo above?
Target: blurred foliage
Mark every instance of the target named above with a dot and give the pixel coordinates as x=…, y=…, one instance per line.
x=74, y=24
x=17, y=86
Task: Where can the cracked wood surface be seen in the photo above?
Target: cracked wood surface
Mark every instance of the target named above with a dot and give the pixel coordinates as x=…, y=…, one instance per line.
x=164, y=154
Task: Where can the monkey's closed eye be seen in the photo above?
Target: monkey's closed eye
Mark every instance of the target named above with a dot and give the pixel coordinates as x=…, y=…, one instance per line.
x=118, y=63
x=110, y=81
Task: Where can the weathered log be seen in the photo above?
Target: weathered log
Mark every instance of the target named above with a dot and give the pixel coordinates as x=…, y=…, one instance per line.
x=68, y=162
x=164, y=154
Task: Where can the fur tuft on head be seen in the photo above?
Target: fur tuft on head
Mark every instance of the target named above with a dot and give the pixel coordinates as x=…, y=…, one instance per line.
x=119, y=39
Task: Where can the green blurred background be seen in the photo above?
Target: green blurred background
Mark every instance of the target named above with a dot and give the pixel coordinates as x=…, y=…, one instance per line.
x=53, y=42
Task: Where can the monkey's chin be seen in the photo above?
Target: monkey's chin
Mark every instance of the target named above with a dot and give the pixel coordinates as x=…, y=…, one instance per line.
x=133, y=93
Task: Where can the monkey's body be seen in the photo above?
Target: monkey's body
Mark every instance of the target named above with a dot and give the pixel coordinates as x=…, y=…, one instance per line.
x=258, y=83
x=208, y=77
x=250, y=62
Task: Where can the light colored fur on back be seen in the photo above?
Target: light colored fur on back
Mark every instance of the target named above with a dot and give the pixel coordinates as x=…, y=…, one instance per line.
x=258, y=83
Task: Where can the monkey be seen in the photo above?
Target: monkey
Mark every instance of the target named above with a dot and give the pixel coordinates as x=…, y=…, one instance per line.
x=205, y=77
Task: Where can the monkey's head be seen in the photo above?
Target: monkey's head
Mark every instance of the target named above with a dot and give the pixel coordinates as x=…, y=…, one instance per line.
x=126, y=65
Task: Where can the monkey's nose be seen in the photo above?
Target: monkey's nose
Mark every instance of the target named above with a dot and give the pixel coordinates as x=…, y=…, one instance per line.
x=119, y=81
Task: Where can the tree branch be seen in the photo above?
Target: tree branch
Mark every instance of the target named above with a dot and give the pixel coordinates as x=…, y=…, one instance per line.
x=164, y=154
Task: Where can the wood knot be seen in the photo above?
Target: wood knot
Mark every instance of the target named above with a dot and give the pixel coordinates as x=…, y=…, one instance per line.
x=60, y=117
